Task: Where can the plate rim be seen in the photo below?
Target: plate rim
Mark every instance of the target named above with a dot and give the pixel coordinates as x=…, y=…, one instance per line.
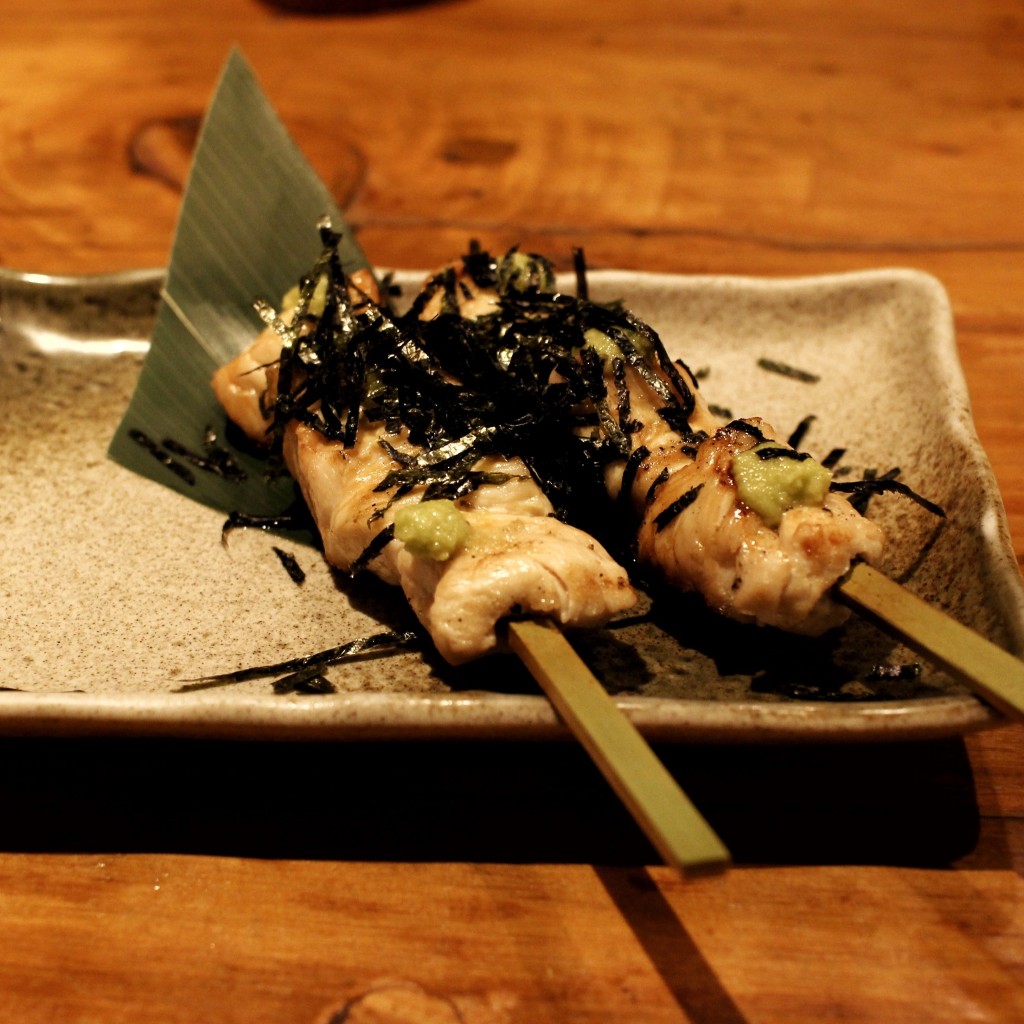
x=477, y=715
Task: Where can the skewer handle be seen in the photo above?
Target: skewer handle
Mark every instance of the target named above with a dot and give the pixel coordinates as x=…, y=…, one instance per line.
x=994, y=673
x=669, y=820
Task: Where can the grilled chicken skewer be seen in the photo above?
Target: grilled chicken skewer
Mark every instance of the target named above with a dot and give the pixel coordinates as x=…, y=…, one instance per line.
x=517, y=559
x=514, y=556
x=774, y=566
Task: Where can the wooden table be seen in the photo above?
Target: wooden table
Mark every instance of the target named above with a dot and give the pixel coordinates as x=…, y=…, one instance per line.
x=169, y=880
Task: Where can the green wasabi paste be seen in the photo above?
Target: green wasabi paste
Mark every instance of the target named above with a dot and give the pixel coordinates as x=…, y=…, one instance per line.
x=523, y=272
x=602, y=344
x=431, y=529
x=771, y=486
x=608, y=349
x=317, y=301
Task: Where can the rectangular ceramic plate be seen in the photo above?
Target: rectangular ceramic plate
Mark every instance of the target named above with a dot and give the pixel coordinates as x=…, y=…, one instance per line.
x=117, y=592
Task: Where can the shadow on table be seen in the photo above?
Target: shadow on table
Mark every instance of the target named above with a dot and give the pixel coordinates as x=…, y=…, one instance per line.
x=895, y=804
x=675, y=955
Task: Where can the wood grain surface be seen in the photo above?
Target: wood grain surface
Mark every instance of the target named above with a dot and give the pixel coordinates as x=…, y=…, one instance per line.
x=175, y=881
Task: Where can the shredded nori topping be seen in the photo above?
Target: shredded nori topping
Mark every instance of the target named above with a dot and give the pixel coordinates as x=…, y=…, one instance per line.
x=521, y=381
x=291, y=565
x=309, y=680
x=637, y=456
x=771, y=454
x=162, y=456
x=833, y=458
x=579, y=264
x=748, y=428
x=214, y=458
x=785, y=370
x=297, y=520
x=800, y=432
x=378, y=643
x=684, y=501
x=659, y=481
x=691, y=442
x=372, y=550
x=881, y=485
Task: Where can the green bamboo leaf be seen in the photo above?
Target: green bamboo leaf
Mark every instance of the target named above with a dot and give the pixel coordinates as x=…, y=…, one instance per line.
x=246, y=231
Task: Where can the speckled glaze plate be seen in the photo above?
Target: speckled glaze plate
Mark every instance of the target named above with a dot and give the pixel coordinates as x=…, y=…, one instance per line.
x=117, y=593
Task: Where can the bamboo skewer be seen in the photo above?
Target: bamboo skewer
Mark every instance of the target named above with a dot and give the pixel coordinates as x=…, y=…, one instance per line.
x=994, y=673
x=663, y=811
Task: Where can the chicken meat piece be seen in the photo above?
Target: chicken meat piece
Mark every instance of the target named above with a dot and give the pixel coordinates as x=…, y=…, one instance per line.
x=512, y=565
x=517, y=561
x=778, y=574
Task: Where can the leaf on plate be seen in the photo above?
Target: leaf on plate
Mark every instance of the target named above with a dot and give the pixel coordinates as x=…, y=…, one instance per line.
x=245, y=231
